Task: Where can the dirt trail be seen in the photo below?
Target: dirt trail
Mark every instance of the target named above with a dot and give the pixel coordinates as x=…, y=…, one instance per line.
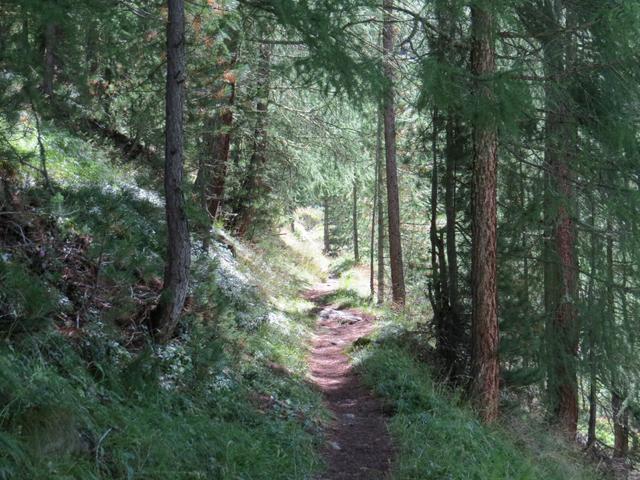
x=359, y=446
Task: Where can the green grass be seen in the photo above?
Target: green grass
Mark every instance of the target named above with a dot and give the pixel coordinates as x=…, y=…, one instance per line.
x=62, y=420
x=438, y=437
x=229, y=399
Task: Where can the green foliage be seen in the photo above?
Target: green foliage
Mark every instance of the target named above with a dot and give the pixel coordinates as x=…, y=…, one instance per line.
x=228, y=399
x=27, y=301
x=132, y=423
x=439, y=437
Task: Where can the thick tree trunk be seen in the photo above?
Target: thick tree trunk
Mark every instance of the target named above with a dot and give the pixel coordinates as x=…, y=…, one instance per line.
x=560, y=260
x=485, y=388
x=564, y=330
x=544, y=22
x=393, y=198
x=176, y=277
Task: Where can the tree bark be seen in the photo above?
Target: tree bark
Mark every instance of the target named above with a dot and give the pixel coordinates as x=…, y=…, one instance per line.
x=544, y=20
x=219, y=155
x=326, y=230
x=454, y=153
x=176, y=277
x=393, y=200
x=620, y=426
x=593, y=380
x=620, y=413
x=212, y=171
x=381, y=190
x=255, y=186
x=561, y=272
x=376, y=199
x=437, y=300
x=354, y=215
x=485, y=388
x=49, y=58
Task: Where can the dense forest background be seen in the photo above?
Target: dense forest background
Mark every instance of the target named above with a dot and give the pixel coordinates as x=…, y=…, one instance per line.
x=174, y=174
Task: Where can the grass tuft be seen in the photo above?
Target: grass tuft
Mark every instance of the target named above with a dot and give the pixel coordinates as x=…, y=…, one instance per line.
x=438, y=437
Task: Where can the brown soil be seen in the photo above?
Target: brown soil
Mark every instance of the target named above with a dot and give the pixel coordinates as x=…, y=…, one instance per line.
x=359, y=446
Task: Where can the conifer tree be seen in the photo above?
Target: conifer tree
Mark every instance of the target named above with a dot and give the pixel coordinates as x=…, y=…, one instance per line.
x=393, y=201
x=485, y=386
x=176, y=276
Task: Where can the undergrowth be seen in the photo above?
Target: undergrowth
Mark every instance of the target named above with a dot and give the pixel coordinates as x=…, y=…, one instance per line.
x=85, y=395
x=438, y=437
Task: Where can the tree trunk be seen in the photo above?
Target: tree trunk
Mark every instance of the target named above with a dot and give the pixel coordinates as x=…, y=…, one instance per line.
x=454, y=153
x=42, y=152
x=381, y=190
x=544, y=22
x=219, y=155
x=212, y=171
x=485, y=388
x=593, y=380
x=560, y=256
x=620, y=426
x=49, y=58
x=91, y=44
x=439, y=288
x=255, y=185
x=176, y=277
x=593, y=411
x=354, y=210
x=620, y=413
x=376, y=199
x=326, y=231
x=437, y=299
x=393, y=200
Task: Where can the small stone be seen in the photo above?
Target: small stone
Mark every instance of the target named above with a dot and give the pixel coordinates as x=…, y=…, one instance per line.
x=335, y=446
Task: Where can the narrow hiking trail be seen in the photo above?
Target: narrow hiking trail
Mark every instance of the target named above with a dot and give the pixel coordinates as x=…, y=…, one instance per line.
x=359, y=446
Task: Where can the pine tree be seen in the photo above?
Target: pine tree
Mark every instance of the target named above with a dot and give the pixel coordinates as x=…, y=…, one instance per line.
x=485, y=383
x=393, y=201
x=176, y=277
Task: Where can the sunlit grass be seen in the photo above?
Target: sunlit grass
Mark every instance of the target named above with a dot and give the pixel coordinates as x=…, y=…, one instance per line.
x=439, y=437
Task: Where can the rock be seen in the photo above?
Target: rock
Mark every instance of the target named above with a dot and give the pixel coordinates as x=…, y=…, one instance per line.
x=335, y=445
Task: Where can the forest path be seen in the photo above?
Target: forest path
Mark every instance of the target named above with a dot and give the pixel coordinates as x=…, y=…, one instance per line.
x=359, y=446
